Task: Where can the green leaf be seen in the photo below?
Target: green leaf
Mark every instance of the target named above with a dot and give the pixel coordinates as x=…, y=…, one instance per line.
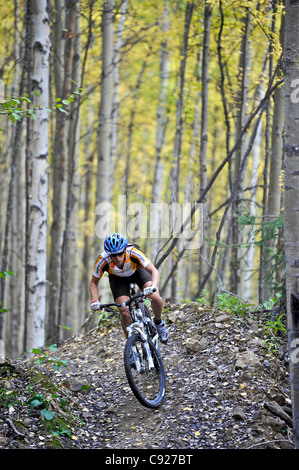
x=85, y=387
x=25, y=98
x=9, y=274
x=58, y=364
x=49, y=415
x=36, y=351
x=35, y=403
x=65, y=327
x=39, y=361
x=5, y=105
x=14, y=101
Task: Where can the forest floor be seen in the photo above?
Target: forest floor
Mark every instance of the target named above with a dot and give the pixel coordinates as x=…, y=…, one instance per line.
x=225, y=390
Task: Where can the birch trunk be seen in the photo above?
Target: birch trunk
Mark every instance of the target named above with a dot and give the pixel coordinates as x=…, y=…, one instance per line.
x=161, y=122
x=248, y=285
x=105, y=127
x=175, y=171
x=243, y=100
x=17, y=292
x=37, y=205
x=88, y=247
x=72, y=306
x=291, y=197
x=274, y=188
x=130, y=135
x=15, y=213
x=116, y=78
x=103, y=191
x=204, y=130
x=60, y=162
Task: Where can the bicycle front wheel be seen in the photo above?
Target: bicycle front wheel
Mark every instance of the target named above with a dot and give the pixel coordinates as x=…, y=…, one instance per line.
x=147, y=383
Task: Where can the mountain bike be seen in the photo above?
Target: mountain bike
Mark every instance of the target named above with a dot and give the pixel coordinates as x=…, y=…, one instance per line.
x=142, y=358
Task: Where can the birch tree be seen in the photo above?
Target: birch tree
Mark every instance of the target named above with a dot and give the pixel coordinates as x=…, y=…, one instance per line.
x=17, y=297
x=105, y=125
x=60, y=160
x=68, y=292
x=204, y=124
x=291, y=197
x=37, y=204
x=116, y=78
x=272, y=210
x=161, y=123
x=244, y=66
x=176, y=165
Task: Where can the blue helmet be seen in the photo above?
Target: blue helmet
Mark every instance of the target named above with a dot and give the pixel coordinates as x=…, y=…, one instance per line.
x=115, y=243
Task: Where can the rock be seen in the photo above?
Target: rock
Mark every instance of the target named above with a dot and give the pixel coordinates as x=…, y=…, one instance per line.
x=247, y=359
x=222, y=318
x=239, y=414
x=111, y=409
x=275, y=423
x=172, y=317
x=277, y=410
x=3, y=441
x=204, y=342
x=79, y=386
x=195, y=344
x=283, y=442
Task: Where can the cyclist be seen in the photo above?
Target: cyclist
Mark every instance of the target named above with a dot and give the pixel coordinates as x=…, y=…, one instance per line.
x=126, y=264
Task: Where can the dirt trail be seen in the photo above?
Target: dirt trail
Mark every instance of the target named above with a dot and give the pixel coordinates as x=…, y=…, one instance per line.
x=224, y=390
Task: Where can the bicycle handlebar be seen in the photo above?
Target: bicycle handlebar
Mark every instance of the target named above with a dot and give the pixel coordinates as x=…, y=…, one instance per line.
x=108, y=308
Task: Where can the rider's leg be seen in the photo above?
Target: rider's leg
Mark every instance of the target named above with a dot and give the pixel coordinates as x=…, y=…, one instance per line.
x=124, y=314
x=157, y=302
x=120, y=288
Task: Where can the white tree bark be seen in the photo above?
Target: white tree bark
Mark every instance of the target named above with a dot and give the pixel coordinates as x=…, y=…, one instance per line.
x=291, y=196
x=204, y=131
x=116, y=78
x=72, y=314
x=105, y=127
x=60, y=173
x=161, y=121
x=37, y=210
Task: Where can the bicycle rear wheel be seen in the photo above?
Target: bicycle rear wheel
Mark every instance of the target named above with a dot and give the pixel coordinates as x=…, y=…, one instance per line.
x=148, y=385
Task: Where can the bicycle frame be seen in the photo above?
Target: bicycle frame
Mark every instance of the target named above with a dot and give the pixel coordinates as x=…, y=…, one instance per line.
x=137, y=326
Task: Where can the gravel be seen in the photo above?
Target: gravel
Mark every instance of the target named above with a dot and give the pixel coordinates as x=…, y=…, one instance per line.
x=225, y=390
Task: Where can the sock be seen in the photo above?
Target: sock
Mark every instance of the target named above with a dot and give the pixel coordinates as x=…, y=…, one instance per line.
x=157, y=322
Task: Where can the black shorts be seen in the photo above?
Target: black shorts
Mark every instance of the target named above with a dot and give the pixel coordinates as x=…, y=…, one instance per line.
x=121, y=285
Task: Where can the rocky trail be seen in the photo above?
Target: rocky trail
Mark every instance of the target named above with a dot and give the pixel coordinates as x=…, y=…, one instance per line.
x=225, y=390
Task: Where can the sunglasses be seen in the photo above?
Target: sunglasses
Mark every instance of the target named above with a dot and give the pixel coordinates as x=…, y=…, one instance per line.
x=117, y=254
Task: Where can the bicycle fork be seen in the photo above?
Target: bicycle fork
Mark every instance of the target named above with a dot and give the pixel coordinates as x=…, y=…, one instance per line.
x=147, y=350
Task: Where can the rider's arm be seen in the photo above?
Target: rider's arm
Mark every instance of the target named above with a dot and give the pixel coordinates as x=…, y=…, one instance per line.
x=154, y=273
x=93, y=287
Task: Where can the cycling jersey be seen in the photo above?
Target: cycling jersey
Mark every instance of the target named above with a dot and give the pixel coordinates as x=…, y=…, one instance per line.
x=134, y=258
